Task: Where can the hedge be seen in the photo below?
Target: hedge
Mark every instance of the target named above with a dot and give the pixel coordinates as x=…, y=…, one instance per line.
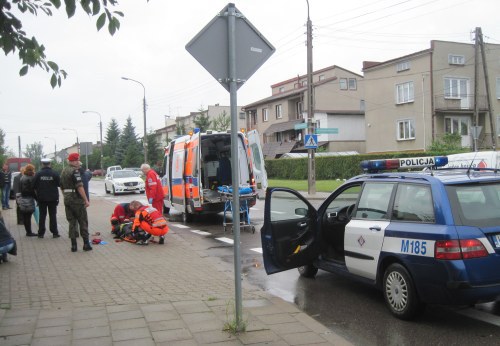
x=331, y=167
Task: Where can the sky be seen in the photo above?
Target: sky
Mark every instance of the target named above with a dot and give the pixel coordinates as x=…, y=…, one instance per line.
x=150, y=48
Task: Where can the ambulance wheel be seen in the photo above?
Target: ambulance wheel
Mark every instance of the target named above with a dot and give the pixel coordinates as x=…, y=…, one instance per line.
x=186, y=217
x=308, y=271
x=400, y=294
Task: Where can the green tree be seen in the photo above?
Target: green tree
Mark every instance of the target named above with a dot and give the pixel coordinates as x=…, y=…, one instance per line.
x=129, y=151
x=155, y=151
x=112, y=140
x=3, y=149
x=32, y=53
x=449, y=142
x=34, y=152
x=222, y=122
x=202, y=121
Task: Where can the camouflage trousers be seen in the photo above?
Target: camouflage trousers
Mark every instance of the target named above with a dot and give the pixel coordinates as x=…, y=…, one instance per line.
x=76, y=214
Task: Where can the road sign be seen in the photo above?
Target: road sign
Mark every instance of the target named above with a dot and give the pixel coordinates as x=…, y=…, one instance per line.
x=327, y=130
x=86, y=148
x=211, y=48
x=311, y=142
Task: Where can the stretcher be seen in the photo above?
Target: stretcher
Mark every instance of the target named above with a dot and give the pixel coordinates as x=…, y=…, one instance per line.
x=245, y=194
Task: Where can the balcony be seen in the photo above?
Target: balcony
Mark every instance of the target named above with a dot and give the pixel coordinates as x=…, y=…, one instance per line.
x=464, y=104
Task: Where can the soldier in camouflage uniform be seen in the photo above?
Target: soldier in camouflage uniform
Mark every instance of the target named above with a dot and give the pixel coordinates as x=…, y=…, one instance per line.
x=75, y=202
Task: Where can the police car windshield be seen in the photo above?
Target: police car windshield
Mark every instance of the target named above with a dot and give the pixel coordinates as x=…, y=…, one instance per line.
x=124, y=174
x=475, y=204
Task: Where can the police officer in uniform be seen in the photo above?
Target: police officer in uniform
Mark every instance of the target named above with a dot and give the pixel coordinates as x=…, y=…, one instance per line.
x=46, y=187
x=75, y=202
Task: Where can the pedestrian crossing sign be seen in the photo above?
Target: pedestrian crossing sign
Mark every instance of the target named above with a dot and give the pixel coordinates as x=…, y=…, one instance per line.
x=311, y=142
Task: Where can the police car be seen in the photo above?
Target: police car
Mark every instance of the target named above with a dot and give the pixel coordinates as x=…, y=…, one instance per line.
x=428, y=237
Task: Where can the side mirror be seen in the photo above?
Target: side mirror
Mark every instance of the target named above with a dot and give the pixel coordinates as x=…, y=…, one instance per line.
x=301, y=211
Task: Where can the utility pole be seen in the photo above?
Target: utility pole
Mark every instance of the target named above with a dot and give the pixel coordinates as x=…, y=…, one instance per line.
x=475, y=120
x=311, y=169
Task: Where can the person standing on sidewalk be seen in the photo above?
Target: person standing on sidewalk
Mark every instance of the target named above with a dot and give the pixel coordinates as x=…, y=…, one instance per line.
x=154, y=189
x=47, y=191
x=5, y=180
x=75, y=202
x=16, y=186
x=27, y=197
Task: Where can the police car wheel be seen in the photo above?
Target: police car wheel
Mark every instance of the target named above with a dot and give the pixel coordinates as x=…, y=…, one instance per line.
x=399, y=292
x=308, y=271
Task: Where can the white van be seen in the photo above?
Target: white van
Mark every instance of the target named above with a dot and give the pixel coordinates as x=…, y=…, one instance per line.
x=479, y=159
x=113, y=168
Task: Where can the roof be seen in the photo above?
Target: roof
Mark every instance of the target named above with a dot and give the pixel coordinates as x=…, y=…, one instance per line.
x=273, y=149
x=284, y=95
x=283, y=126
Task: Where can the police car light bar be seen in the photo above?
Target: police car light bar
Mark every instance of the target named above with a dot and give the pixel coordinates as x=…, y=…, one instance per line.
x=404, y=163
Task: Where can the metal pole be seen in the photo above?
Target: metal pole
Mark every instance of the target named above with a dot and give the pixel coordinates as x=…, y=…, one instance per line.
x=100, y=133
x=311, y=180
x=231, y=20
x=144, y=141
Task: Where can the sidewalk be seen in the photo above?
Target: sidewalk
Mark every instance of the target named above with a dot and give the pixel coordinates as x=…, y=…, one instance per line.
x=122, y=294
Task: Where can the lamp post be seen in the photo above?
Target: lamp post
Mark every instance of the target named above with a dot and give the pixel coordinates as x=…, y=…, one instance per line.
x=55, y=147
x=145, y=142
x=77, y=141
x=100, y=133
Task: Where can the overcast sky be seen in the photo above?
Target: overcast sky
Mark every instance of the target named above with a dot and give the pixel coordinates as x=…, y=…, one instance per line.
x=150, y=47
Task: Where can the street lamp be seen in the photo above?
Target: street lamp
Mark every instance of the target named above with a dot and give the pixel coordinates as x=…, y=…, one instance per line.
x=100, y=132
x=145, y=143
x=55, y=147
x=77, y=141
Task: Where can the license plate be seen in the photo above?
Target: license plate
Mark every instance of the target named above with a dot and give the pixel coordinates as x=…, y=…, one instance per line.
x=496, y=240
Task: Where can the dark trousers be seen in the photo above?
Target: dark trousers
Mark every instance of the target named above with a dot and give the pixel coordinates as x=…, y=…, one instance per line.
x=19, y=215
x=52, y=208
x=27, y=222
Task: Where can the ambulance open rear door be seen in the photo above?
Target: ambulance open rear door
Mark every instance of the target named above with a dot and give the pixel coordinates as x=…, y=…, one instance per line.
x=177, y=180
x=259, y=170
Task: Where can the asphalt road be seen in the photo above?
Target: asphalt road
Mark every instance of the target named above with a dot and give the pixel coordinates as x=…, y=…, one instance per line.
x=351, y=309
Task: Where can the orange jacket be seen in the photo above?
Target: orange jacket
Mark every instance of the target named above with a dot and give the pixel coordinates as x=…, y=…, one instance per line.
x=154, y=189
x=151, y=221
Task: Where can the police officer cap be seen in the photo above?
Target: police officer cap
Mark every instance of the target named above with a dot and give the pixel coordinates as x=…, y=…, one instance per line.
x=46, y=160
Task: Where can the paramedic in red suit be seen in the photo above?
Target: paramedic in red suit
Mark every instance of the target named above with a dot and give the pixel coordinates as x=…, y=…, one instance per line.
x=124, y=212
x=154, y=189
x=148, y=219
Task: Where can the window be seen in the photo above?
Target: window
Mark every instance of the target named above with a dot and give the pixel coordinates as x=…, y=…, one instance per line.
x=352, y=84
x=457, y=124
x=321, y=77
x=282, y=89
x=279, y=113
x=343, y=83
x=374, y=201
x=265, y=115
x=304, y=83
x=279, y=137
x=279, y=199
x=404, y=93
x=456, y=88
x=456, y=59
x=413, y=203
x=299, y=110
x=403, y=66
x=406, y=129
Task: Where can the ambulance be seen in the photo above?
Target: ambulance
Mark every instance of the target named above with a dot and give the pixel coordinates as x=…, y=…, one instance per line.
x=196, y=165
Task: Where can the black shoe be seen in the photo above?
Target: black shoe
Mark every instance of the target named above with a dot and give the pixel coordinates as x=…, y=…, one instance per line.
x=162, y=240
x=73, y=245
x=56, y=235
x=86, y=246
x=40, y=235
x=31, y=234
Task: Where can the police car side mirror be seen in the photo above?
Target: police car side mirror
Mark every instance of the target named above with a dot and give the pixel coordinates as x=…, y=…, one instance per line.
x=301, y=211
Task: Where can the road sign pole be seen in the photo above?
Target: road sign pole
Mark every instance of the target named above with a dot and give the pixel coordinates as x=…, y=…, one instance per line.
x=233, y=87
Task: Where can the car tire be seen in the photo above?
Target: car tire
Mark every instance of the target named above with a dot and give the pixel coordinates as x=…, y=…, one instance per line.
x=187, y=217
x=308, y=271
x=114, y=191
x=400, y=294
x=106, y=189
x=166, y=210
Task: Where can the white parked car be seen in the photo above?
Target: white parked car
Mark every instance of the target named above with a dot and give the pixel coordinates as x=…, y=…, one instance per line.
x=123, y=181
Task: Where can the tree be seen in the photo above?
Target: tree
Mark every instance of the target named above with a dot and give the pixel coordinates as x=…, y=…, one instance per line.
x=3, y=149
x=202, y=121
x=222, y=122
x=449, y=142
x=34, y=152
x=112, y=140
x=155, y=151
x=129, y=150
x=32, y=53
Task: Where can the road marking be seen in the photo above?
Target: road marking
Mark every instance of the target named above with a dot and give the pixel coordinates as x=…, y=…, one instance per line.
x=257, y=249
x=181, y=226
x=226, y=240
x=200, y=232
x=481, y=316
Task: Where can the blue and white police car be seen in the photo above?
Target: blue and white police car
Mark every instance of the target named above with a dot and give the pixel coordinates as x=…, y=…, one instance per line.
x=428, y=237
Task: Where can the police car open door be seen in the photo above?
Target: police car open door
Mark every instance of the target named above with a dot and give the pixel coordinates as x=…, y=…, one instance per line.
x=289, y=232
x=259, y=170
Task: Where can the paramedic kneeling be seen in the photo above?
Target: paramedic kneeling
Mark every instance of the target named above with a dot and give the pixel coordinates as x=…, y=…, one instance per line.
x=148, y=220
x=123, y=213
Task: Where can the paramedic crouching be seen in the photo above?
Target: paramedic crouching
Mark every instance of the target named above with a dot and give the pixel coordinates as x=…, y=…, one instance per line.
x=148, y=222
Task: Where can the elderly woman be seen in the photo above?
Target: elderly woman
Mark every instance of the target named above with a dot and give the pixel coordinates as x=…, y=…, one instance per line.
x=26, y=198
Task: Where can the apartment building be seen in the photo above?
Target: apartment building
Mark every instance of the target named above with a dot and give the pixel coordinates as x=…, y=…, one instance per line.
x=416, y=99
x=338, y=104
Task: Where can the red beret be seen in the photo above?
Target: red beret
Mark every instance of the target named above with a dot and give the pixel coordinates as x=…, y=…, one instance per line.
x=74, y=157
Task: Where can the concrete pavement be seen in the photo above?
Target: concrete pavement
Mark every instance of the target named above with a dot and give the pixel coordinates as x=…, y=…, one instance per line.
x=124, y=294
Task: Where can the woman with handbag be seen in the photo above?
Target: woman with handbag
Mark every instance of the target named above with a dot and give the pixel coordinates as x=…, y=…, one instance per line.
x=26, y=198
